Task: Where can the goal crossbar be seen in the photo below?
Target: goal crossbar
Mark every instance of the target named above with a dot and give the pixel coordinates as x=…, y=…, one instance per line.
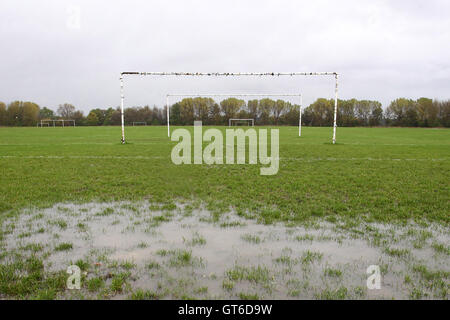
x=227, y=74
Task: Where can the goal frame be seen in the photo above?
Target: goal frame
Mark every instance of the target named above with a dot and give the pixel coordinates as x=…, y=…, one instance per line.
x=57, y=120
x=144, y=123
x=239, y=119
x=190, y=95
x=226, y=74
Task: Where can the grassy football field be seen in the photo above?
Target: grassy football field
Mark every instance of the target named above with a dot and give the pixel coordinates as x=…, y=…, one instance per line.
x=393, y=177
x=376, y=173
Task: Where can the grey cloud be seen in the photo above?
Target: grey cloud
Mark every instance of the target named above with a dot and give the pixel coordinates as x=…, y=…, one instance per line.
x=383, y=49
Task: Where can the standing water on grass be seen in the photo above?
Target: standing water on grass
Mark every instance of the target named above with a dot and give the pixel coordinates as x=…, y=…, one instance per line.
x=143, y=250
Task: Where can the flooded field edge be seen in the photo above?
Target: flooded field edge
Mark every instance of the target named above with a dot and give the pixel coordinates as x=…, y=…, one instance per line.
x=143, y=250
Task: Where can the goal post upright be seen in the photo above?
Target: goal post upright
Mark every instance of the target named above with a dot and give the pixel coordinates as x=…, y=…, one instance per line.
x=168, y=116
x=121, y=109
x=335, y=108
x=300, y=117
x=227, y=74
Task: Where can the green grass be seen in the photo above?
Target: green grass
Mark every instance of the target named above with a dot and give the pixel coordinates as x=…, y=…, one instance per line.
x=197, y=240
x=251, y=238
x=248, y=296
x=33, y=282
x=333, y=273
x=95, y=284
x=259, y=274
x=377, y=173
x=336, y=294
x=65, y=246
x=309, y=257
x=140, y=294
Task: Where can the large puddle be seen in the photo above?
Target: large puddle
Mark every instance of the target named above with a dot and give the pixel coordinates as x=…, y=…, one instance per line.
x=176, y=251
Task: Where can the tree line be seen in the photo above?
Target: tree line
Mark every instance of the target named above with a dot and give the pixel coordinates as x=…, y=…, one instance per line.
x=422, y=112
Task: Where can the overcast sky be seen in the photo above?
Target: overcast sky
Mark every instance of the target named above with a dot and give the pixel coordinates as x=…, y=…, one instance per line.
x=56, y=51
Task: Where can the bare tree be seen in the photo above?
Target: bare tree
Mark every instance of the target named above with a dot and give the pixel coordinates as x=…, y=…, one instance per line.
x=66, y=110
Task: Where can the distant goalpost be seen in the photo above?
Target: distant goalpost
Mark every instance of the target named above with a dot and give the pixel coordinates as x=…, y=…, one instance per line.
x=225, y=74
x=230, y=121
x=298, y=95
x=62, y=121
x=139, y=123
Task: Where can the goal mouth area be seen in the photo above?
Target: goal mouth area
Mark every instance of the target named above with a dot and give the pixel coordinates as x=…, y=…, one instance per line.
x=335, y=75
x=243, y=96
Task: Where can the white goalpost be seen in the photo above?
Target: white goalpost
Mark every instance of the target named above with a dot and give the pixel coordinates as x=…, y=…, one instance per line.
x=231, y=95
x=226, y=74
x=139, y=123
x=62, y=121
x=230, y=121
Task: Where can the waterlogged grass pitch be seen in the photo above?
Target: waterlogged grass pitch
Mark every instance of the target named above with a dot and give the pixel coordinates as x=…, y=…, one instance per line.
x=379, y=196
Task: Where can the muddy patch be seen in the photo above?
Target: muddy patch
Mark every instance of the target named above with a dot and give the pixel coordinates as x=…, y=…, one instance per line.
x=145, y=251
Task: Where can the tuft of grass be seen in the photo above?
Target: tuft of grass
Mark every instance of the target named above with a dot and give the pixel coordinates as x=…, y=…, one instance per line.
x=248, y=296
x=305, y=237
x=441, y=248
x=118, y=281
x=336, y=294
x=34, y=247
x=142, y=245
x=82, y=227
x=95, y=284
x=153, y=265
x=309, y=257
x=334, y=273
x=65, y=246
x=286, y=260
x=201, y=290
x=197, y=240
x=140, y=294
x=259, y=274
x=251, y=238
x=417, y=294
x=227, y=285
x=181, y=258
x=83, y=265
x=61, y=223
x=231, y=224
x=24, y=235
x=164, y=252
x=397, y=252
x=105, y=212
x=128, y=265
